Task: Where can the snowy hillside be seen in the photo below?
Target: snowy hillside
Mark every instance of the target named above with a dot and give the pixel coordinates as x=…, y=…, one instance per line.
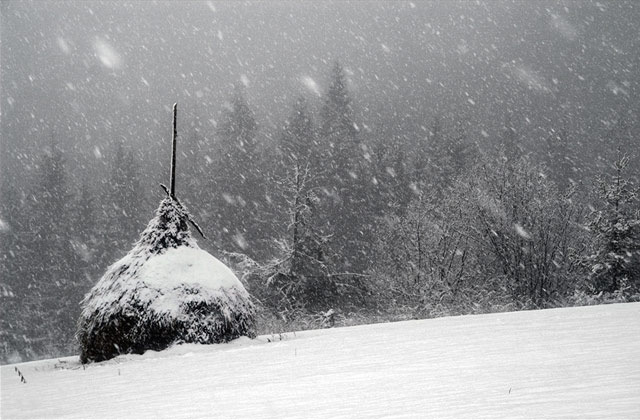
x=562, y=363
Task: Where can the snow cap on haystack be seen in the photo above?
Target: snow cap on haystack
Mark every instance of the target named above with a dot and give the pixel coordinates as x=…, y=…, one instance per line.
x=165, y=290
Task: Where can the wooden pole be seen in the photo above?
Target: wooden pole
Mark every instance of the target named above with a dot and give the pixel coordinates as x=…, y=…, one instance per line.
x=172, y=183
x=171, y=191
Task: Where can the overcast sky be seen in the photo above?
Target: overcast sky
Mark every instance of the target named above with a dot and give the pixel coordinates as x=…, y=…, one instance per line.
x=94, y=71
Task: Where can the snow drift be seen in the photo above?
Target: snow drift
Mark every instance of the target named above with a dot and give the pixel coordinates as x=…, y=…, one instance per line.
x=573, y=363
x=165, y=290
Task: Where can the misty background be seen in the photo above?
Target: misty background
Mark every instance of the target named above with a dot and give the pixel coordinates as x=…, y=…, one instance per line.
x=86, y=95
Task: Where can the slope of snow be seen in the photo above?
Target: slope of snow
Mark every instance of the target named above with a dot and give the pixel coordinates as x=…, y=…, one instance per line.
x=561, y=363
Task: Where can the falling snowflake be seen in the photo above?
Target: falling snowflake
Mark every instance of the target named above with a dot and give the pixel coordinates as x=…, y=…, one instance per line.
x=107, y=55
x=63, y=45
x=520, y=231
x=239, y=240
x=310, y=84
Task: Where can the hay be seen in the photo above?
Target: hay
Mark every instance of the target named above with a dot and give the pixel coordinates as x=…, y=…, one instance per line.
x=166, y=290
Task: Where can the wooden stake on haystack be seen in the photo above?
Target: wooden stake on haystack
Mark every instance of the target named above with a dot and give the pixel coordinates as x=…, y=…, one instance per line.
x=171, y=191
x=174, y=141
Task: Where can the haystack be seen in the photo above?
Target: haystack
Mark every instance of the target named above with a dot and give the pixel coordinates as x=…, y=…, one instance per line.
x=165, y=290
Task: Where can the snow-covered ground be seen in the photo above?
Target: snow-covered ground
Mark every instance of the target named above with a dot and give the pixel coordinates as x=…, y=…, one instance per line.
x=561, y=363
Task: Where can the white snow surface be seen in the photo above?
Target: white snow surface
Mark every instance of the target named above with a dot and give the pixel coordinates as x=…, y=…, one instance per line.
x=170, y=272
x=166, y=281
x=562, y=363
x=186, y=265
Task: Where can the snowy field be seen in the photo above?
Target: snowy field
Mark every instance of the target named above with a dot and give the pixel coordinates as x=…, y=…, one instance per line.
x=561, y=363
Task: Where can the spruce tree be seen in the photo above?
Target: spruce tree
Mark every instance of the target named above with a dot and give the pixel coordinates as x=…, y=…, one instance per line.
x=338, y=130
x=346, y=207
x=14, y=262
x=298, y=143
x=86, y=237
x=237, y=178
x=392, y=186
x=615, y=226
x=124, y=199
x=50, y=290
x=442, y=155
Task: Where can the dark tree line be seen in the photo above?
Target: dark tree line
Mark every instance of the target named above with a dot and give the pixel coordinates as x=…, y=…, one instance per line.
x=332, y=214
x=59, y=238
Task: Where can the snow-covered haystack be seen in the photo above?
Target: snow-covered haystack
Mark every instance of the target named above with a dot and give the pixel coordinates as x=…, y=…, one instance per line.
x=166, y=290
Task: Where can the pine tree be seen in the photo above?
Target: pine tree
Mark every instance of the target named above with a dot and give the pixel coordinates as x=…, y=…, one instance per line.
x=13, y=223
x=615, y=227
x=296, y=149
x=124, y=197
x=238, y=131
x=14, y=261
x=392, y=185
x=51, y=293
x=442, y=155
x=298, y=144
x=86, y=238
x=338, y=130
x=346, y=208
x=86, y=215
x=237, y=178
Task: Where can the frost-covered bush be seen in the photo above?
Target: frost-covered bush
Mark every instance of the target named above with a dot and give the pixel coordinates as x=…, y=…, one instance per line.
x=502, y=237
x=584, y=298
x=165, y=290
